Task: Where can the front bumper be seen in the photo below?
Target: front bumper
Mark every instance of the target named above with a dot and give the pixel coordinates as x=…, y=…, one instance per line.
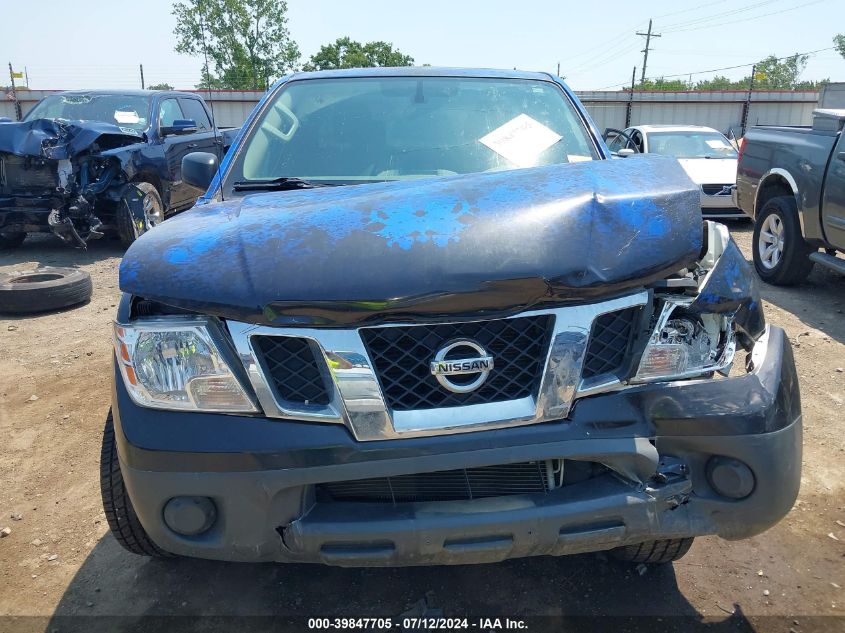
x=721, y=207
x=261, y=475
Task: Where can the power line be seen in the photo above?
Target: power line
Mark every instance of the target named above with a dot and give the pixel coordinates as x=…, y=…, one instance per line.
x=714, y=70
x=716, y=16
x=752, y=17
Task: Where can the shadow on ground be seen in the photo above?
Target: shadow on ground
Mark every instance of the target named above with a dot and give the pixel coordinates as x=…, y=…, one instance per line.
x=49, y=250
x=819, y=301
x=114, y=590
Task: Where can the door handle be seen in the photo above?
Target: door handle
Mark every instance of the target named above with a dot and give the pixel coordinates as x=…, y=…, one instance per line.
x=840, y=156
x=196, y=145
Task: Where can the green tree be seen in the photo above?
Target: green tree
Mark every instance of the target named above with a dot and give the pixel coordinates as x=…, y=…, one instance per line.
x=161, y=86
x=775, y=74
x=247, y=41
x=839, y=43
x=719, y=82
x=347, y=53
x=661, y=84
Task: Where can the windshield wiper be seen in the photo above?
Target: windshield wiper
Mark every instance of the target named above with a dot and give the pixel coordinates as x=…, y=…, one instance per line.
x=284, y=183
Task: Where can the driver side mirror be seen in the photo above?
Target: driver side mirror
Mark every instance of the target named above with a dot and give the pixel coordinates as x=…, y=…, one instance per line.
x=180, y=126
x=199, y=169
x=625, y=151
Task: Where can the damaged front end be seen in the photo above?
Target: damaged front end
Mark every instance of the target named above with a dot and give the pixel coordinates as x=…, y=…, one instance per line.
x=64, y=177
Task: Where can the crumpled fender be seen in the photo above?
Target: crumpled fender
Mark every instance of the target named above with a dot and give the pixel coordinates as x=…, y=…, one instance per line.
x=730, y=289
x=59, y=139
x=132, y=201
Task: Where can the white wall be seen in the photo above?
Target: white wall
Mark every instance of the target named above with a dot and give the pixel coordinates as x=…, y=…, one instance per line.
x=720, y=110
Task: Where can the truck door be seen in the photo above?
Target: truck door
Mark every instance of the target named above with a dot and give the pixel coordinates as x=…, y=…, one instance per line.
x=175, y=147
x=205, y=139
x=833, y=196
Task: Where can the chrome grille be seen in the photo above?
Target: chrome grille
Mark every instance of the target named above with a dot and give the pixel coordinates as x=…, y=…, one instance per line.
x=610, y=340
x=463, y=484
x=401, y=356
x=293, y=368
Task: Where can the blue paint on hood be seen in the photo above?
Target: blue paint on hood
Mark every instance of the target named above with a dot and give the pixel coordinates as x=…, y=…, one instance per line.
x=459, y=245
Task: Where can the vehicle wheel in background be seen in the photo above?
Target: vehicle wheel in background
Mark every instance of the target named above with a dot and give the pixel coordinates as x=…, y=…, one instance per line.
x=11, y=240
x=653, y=552
x=43, y=289
x=153, y=215
x=120, y=514
x=781, y=256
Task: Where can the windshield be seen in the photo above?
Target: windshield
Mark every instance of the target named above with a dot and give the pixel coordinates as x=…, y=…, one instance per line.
x=375, y=129
x=690, y=145
x=122, y=110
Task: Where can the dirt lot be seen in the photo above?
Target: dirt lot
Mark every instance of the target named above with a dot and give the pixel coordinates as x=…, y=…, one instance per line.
x=60, y=563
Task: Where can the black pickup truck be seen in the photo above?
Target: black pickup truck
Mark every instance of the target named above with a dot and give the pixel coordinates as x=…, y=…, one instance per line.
x=85, y=163
x=791, y=180
x=421, y=317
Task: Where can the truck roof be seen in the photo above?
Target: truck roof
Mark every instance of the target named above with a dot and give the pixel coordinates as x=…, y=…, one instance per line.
x=127, y=92
x=422, y=71
x=675, y=128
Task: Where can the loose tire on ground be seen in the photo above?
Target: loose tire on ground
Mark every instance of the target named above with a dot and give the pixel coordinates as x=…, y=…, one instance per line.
x=153, y=215
x=9, y=241
x=654, y=552
x=777, y=226
x=121, y=517
x=43, y=290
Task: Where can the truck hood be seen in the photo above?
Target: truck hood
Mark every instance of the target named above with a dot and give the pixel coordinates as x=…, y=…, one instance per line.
x=424, y=249
x=710, y=171
x=59, y=139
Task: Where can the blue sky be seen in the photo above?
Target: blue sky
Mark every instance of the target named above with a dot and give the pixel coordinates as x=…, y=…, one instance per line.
x=95, y=44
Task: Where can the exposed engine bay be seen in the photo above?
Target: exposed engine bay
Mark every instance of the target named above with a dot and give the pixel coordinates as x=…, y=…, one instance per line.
x=71, y=178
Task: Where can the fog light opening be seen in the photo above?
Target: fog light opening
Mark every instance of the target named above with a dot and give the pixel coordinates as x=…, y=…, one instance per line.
x=190, y=516
x=730, y=477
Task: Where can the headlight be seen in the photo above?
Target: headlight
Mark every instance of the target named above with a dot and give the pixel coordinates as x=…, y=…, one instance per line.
x=177, y=364
x=687, y=345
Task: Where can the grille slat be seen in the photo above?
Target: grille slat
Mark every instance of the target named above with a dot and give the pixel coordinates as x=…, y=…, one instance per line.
x=451, y=485
x=293, y=370
x=401, y=357
x=610, y=341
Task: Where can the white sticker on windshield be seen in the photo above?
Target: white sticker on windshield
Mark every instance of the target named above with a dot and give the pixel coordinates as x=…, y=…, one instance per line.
x=124, y=116
x=717, y=144
x=521, y=140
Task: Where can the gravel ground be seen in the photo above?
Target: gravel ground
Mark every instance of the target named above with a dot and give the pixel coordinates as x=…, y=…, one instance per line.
x=59, y=563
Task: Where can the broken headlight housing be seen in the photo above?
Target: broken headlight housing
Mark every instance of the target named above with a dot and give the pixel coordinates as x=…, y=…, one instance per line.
x=180, y=363
x=686, y=345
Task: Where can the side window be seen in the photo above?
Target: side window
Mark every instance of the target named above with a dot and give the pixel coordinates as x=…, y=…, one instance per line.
x=168, y=112
x=194, y=110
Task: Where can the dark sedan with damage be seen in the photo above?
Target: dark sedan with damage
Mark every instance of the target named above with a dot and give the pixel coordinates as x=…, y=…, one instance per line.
x=420, y=318
x=85, y=163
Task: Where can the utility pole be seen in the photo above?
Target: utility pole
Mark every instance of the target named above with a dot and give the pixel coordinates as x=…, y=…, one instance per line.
x=141, y=66
x=631, y=98
x=747, y=105
x=558, y=69
x=647, y=48
x=18, y=114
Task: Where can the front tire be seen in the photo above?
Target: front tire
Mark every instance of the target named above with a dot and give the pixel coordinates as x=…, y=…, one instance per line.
x=781, y=256
x=654, y=552
x=121, y=517
x=153, y=215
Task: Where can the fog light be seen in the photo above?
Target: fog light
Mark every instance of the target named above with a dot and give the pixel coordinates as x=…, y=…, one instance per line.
x=190, y=516
x=730, y=477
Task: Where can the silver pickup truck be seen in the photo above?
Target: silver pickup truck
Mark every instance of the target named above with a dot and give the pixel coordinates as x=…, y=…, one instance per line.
x=791, y=180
